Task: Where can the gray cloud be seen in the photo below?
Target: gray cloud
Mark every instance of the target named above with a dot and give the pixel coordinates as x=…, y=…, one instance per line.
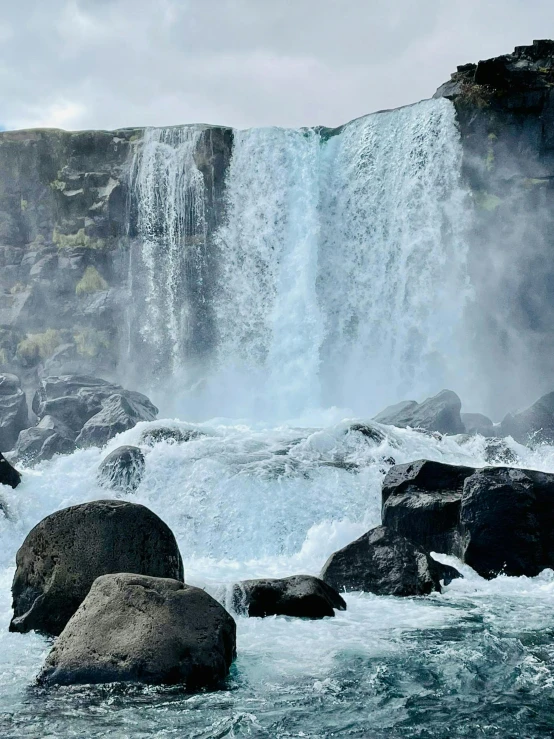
x=113, y=63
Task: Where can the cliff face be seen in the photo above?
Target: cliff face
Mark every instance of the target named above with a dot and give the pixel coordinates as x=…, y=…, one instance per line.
x=67, y=230
x=505, y=109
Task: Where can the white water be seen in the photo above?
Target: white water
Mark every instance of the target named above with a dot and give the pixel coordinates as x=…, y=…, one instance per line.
x=341, y=265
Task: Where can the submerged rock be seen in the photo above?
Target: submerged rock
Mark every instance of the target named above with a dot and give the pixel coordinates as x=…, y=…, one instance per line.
x=422, y=501
x=535, y=424
x=8, y=474
x=302, y=596
x=14, y=416
x=132, y=628
x=122, y=469
x=385, y=563
x=440, y=413
x=63, y=555
x=497, y=450
x=166, y=433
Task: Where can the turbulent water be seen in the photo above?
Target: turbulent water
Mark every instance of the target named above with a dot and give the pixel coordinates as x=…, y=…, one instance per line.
x=340, y=283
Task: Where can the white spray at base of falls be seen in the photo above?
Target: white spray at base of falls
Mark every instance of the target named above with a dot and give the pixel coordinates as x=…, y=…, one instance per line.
x=341, y=264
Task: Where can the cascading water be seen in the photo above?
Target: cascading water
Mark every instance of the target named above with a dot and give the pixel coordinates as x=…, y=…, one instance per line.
x=340, y=265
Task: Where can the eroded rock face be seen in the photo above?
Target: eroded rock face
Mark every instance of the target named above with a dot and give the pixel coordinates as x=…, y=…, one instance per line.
x=63, y=555
x=132, y=628
x=385, y=563
x=14, y=416
x=301, y=596
x=441, y=413
x=122, y=469
x=534, y=424
x=422, y=502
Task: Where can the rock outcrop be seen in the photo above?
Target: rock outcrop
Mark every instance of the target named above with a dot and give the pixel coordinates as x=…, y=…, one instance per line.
x=42, y=442
x=65, y=553
x=534, y=424
x=122, y=469
x=441, y=414
x=477, y=423
x=302, y=596
x=385, y=563
x=132, y=628
x=13, y=411
x=8, y=474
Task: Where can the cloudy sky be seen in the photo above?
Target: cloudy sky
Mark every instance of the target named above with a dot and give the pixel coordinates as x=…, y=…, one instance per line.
x=112, y=63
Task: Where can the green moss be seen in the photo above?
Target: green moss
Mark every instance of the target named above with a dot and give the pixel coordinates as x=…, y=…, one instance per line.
x=58, y=185
x=78, y=239
x=19, y=287
x=477, y=96
x=90, y=342
x=486, y=201
x=3, y=356
x=135, y=137
x=36, y=347
x=91, y=282
x=24, y=204
x=532, y=181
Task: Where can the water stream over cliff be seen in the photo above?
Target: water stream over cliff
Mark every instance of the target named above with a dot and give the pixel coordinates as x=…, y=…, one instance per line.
x=340, y=265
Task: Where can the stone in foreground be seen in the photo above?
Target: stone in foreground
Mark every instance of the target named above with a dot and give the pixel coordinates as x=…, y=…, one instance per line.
x=385, y=563
x=8, y=474
x=302, y=596
x=65, y=553
x=132, y=628
x=122, y=470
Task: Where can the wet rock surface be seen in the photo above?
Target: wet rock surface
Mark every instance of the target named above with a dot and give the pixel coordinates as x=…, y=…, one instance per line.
x=8, y=474
x=441, y=413
x=122, y=469
x=63, y=555
x=302, y=596
x=132, y=628
x=13, y=411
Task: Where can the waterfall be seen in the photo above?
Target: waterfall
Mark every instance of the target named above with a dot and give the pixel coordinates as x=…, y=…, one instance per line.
x=341, y=263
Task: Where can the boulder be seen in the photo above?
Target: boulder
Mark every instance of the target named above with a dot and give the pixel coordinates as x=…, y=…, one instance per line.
x=14, y=416
x=92, y=408
x=497, y=451
x=119, y=413
x=8, y=474
x=440, y=413
x=385, y=563
x=168, y=434
x=63, y=555
x=302, y=596
x=122, y=469
x=132, y=628
x=422, y=502
x=477, y=423
x=533, y=424
x=507, y=521
x=44, y=441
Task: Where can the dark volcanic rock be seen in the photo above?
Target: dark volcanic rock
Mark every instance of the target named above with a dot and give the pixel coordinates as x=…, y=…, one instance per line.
x=477, y=423
x=119, y=413
x=507, y=519
x=14, y=416
x=44, y=441
x=63, y=555
x=440, y=413
x=533, y=424
x=144, y=629
x=171, y=435
x=498, y=451
x=301, y=596
x=122, y=469
x=385, y=563
x=8, y=474
x=422, y=501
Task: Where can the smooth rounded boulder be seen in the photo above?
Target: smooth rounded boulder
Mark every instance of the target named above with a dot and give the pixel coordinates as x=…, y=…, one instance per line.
x=385, y=563
x=132, y=628
x=300, y=596
x=122, y=470
x=65, y=553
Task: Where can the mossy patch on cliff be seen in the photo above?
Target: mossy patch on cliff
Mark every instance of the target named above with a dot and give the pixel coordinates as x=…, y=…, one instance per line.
x=90, y=342
x=37, y=347
x=78, y=239
x=485, y=200
x=91, y=282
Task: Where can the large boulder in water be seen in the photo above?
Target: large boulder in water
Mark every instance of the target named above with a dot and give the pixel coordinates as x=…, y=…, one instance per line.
x=384, y=563
x=14, y=416
x=477, y=423
x=92, y=408
x=44, y=441
x=132, y=628
x=122, y=470
x=302, y=596
x=440, y=413
x=8, y=474
x=533, y=424
x=422, y=502
x=65, y=553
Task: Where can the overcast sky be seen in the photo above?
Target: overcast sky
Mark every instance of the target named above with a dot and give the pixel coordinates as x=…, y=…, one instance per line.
x=113, y=63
